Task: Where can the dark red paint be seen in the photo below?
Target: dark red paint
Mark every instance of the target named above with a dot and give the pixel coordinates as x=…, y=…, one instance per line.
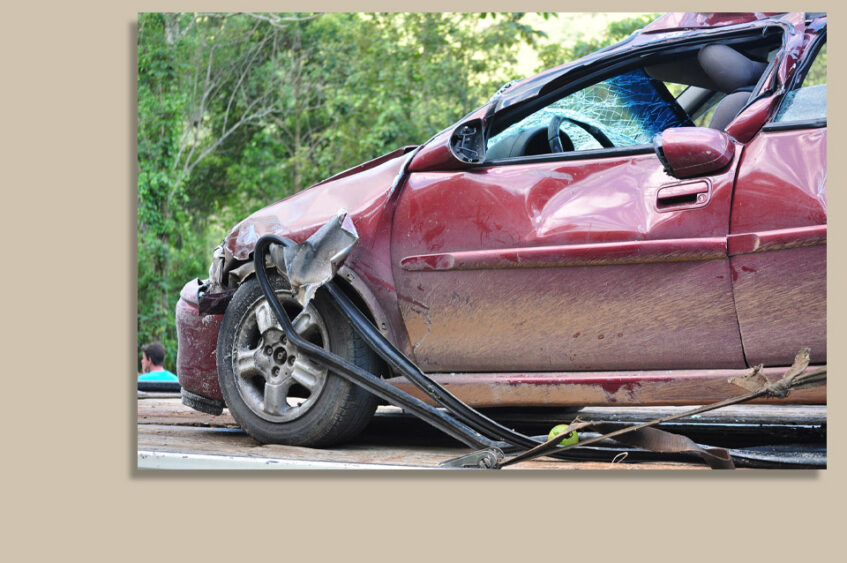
x=369, y=164
x=779, y=239
x=198, y=337
x=641, y=252
x=780, y=298
x=641, y=388
x=534, y=252
x=782, y=182
x=696, y=151
x=683, y=20
x=777, y=245
x=488, y=275
x=665, y=31
x=436, y=154
x=750, y=120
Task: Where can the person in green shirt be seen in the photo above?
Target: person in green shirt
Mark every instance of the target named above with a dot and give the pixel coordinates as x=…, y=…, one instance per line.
x=152, y=360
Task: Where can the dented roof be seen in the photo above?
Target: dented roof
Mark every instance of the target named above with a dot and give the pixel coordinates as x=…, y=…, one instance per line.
x=668, y=27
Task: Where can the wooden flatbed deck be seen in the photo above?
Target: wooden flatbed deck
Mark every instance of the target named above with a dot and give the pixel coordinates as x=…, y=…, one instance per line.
x=174, y=436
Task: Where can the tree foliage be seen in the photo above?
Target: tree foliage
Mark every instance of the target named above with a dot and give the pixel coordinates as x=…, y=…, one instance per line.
x=555, y=53
x=236, y=111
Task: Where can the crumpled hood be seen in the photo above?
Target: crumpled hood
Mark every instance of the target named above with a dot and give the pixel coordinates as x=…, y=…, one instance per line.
x=362, y=191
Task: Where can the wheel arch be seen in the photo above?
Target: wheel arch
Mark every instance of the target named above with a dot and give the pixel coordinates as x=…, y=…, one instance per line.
x=353, y=286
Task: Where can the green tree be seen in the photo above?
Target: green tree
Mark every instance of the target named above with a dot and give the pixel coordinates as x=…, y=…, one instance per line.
x=236, y=111
x=205, y=85
x=555, y=53
x=160, y=104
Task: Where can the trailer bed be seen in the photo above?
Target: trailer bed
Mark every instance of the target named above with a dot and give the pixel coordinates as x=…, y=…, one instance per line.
x=171, y=435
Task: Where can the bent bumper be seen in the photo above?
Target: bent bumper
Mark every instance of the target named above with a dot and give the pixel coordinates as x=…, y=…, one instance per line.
x=197, y=338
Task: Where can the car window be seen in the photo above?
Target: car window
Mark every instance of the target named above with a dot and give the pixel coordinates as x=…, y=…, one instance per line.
x=808, y=102
x=628, y=109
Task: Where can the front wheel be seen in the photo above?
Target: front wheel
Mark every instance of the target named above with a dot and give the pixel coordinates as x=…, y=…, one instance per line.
x=279, y=395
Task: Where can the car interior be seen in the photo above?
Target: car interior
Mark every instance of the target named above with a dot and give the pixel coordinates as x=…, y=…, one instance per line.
x=710, y=86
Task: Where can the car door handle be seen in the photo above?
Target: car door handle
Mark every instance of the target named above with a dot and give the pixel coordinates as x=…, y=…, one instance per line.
x=683, y=196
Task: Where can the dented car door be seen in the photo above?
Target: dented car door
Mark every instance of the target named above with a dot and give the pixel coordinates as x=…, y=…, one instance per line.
x=777, y=244
x=587, y=254
x=567, y=265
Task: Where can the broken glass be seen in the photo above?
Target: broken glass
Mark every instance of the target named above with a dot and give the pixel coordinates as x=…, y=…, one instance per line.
x=805, y=104
x=630, y=109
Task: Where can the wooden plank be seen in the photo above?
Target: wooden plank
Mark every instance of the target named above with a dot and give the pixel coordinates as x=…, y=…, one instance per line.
x=172, y=411
x=166, y=425
x=395, y=438
x=223, y=442
x=183, y=461
x=220, y=441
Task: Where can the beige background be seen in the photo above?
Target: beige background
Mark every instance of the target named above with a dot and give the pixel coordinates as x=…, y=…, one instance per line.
x=70, y=489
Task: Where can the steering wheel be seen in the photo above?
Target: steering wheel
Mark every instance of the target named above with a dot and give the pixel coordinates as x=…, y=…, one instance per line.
x=556, y=142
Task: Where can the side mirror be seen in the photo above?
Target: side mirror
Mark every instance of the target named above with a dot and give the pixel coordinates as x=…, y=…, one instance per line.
x=687, y=152
x=453, y=149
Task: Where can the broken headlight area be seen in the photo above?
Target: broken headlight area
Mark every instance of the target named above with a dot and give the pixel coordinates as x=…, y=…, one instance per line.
x=307, y=265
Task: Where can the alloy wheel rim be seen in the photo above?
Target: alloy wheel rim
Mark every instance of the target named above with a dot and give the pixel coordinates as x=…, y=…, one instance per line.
x=276, y=381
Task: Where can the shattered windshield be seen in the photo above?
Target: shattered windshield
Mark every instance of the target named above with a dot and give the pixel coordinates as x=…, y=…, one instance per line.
x=630, y=109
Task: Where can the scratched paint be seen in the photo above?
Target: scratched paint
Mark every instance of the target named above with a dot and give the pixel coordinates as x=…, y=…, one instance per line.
x=197, y=338
x=482, y=251
x=662, y=315
x=781, y=301
x=643, y=388
x=778, y=246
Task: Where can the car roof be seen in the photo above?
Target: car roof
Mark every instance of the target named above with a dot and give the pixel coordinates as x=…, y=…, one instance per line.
x=686, y=20
x=665, y=28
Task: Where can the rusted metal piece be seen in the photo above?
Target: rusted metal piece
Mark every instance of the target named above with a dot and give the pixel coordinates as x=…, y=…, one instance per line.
x=482, y=459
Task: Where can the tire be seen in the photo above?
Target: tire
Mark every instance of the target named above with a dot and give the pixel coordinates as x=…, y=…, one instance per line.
x=263, y=402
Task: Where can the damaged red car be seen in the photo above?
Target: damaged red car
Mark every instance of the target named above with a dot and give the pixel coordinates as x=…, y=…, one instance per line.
x=587, y=237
